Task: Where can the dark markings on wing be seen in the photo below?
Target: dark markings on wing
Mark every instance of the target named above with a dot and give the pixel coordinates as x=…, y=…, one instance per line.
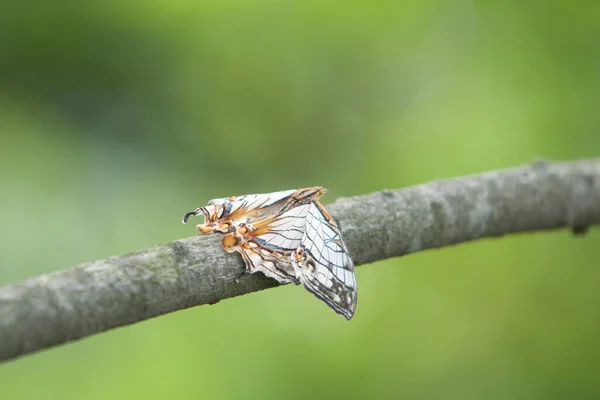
x=269, y=263
x=332, y=279
x=269, y=247
x=284, y=233
x=262, y=205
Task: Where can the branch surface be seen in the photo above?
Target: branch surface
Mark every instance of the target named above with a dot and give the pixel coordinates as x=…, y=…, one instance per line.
x=56, y=308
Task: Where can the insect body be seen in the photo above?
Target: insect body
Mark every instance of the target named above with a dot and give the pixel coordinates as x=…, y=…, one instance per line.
x=288, y=236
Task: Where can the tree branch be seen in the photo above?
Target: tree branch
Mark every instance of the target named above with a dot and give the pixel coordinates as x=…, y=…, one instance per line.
x=51, y=309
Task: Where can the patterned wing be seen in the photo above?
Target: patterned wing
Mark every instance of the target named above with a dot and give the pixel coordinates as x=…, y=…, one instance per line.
x=267, y=244
x=323, y=264
x=225, y=214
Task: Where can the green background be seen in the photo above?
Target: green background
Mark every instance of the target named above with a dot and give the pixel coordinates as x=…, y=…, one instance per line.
x=117, y=117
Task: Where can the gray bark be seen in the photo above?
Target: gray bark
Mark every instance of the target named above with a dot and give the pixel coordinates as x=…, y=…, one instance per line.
x=56, y=308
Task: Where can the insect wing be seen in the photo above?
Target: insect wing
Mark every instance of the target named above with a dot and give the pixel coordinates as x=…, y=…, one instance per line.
x=252, y=204
x=284, y=232
x=224, y=213
x=327, y=270
x=270, y=263
x=270, y=243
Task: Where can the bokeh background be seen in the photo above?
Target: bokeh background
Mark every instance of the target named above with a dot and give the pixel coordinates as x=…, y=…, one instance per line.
x=116, y=117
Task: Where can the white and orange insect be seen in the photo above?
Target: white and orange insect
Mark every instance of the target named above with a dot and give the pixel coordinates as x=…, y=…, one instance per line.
x=288, y=236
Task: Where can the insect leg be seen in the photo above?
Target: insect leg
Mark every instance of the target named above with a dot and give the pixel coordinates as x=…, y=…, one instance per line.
x=241, y=275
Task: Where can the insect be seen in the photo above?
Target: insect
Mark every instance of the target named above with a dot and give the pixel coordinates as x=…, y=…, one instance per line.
x=288, y=236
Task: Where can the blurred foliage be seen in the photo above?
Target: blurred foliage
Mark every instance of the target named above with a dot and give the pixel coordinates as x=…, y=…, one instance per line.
x=117, y=117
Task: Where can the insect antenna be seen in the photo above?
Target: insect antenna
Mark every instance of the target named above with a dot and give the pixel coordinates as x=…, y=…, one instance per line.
x=189, y=214
x=354, y=198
